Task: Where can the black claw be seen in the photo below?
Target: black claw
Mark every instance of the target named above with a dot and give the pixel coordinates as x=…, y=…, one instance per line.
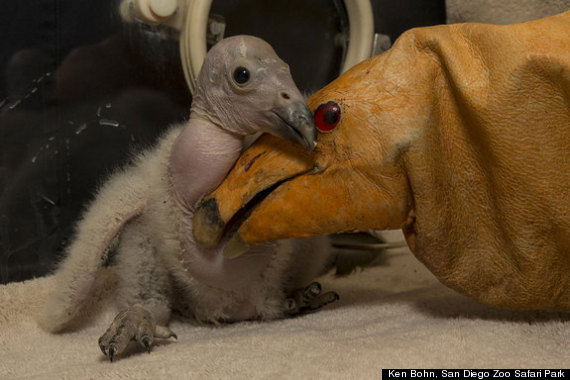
x=313, y=290
x=174, y=335
x=146, y=342
x=327, y=298
x=290, y=304
x=112, y=350
x=102, y=346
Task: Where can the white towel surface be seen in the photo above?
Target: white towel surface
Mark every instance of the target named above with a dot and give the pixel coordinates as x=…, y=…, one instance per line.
x=393, y=316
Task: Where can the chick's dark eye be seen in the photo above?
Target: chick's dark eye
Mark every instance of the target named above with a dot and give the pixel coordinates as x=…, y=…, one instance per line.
x=241, y=75
x=327, y=116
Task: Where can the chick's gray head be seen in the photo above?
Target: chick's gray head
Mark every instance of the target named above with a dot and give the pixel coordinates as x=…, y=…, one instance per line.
x=244, y=88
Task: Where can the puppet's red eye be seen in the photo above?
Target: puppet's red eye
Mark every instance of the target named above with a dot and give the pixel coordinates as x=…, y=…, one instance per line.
x=327, y=116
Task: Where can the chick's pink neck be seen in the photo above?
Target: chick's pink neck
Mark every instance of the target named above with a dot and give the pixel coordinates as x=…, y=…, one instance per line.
x=200, y=159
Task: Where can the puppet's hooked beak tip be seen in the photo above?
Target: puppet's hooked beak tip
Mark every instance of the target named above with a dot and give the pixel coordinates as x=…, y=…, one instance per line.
x=207, y=223
x=235, y=247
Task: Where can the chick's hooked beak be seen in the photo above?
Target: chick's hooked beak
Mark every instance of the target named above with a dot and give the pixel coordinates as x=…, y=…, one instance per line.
x=293, y=121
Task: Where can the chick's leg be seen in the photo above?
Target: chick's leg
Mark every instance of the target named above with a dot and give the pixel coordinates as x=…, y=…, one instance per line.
x=144, y=294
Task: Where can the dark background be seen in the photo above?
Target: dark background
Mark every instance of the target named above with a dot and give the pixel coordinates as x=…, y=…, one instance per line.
x=80, y=91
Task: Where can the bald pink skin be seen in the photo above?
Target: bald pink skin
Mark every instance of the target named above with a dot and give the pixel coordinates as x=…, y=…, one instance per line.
x=222, y=114
x=201, y=157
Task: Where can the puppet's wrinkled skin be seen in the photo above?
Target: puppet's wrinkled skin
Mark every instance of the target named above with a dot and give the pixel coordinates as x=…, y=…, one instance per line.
x=144, y=213
x=459, y=135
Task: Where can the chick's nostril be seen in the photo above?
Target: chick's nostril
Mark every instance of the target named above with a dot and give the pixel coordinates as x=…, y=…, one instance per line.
x=285, y=95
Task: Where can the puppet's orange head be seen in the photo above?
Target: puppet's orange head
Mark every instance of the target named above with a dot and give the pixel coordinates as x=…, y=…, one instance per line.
x=278, y=190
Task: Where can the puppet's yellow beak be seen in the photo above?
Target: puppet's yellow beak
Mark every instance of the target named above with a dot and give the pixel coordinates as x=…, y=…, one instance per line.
x=247, y=182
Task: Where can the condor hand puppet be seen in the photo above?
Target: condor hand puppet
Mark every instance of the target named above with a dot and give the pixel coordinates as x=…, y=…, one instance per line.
x=459, y=135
